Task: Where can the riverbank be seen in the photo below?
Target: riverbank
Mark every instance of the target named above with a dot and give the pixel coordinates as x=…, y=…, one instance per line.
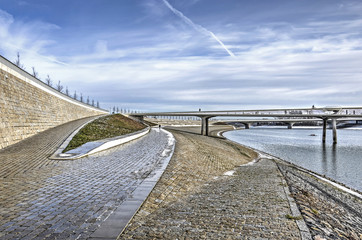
x=303, y=147
x=329, y=211
x=208, y=191
x=198, y=199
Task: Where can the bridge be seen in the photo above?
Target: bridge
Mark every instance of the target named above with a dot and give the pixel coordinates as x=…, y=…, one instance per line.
x=286, y=115
x=289, y=122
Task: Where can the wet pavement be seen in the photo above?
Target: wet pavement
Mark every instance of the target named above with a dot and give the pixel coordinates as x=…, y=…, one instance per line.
x=47, y=199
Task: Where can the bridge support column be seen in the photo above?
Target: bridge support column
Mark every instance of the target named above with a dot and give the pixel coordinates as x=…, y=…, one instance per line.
x=290, y=125
x=334, y=126
x=247, y=125
x=205, y=126
x=324, y=129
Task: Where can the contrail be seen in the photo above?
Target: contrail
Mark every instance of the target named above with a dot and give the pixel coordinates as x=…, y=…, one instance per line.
x=197, y=27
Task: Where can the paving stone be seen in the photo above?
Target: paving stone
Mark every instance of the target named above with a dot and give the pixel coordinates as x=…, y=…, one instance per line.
x=195, y=200
x=69, y=199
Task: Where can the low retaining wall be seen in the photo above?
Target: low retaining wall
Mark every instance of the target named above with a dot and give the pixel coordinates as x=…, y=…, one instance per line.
x=29, y=106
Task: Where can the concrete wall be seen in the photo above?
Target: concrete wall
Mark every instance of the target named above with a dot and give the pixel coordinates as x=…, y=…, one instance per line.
x=28, y=106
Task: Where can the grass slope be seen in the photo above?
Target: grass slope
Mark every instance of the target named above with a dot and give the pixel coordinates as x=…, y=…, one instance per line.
x=104, y=127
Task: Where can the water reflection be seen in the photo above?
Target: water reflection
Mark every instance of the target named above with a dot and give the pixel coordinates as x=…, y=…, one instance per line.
x=334, y=159
x=324, y=157
x=341, y=161
x=329, y=159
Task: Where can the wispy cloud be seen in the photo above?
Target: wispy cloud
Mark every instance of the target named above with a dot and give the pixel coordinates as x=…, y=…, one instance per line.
x=28, y=38
x=197, y=27
x=316, y=61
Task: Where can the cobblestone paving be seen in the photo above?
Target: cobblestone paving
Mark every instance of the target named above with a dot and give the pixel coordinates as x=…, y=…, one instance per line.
x=36, y=149
x=46, y=199
x=194, y=200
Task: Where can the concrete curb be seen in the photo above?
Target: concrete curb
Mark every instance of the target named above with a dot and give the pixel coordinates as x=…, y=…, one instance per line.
x=94, y=147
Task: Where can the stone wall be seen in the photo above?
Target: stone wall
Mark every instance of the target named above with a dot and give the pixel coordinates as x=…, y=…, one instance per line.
x=28, y=106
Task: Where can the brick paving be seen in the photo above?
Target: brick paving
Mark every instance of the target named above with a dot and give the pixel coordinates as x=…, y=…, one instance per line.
x=47, y=199
x=194, y=199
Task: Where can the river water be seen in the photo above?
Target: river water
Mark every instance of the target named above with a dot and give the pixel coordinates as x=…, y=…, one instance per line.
x=303, y=146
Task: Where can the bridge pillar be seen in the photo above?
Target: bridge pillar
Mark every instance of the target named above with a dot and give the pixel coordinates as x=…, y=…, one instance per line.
x=334, y=126
x=290, y=125
x=202, y=126
x=205, y=126
x=324, y=129
x=247, y=125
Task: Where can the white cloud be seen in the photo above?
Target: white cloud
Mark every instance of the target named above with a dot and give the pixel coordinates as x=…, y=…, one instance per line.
x=275, y=64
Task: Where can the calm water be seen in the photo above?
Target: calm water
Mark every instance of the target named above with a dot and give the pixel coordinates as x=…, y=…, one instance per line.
x=342, y=162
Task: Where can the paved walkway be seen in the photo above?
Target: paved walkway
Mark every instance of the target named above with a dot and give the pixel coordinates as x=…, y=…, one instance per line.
x=47, y=199
x=32, y=153
x=206, y=194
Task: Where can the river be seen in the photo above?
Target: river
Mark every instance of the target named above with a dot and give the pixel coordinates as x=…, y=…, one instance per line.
x=303, y=146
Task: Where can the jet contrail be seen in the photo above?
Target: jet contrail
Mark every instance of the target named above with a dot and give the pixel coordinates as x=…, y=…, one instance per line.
x=197, y=27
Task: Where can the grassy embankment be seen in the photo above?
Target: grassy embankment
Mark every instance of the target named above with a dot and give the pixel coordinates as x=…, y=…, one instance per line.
x=104, y=127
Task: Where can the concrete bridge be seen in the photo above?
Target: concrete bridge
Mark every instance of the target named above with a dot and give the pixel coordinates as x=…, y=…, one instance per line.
x=287, y=115
x=289, y=122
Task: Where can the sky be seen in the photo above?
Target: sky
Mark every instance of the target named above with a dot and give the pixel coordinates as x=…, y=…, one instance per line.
x=182, y=55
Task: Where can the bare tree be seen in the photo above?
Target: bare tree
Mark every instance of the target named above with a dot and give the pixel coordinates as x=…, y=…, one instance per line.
x=88, y=100
x=48, y=81
x=59, y=87
x=117, y=110
x=92, y=102
x=35, y=73
x=18, y=63
x=75, y=95
x=97, y=104
x=81, y=97
x=66, y=91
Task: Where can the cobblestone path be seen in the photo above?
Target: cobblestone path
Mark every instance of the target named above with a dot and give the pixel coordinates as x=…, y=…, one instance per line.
x=32, y=153
x=195, y=199
x=47, y=199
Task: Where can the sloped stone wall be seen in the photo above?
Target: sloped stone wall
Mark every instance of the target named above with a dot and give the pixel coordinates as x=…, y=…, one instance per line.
x=28, y=106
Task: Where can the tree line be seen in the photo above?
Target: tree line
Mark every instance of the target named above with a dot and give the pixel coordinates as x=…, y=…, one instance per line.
x=58, y=86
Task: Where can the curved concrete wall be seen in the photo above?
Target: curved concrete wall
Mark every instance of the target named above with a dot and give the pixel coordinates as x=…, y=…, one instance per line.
x=29, y=106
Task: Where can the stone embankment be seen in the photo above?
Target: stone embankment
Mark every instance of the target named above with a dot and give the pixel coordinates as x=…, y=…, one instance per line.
x=329, y=212
x=206, y=194
x=28, y=106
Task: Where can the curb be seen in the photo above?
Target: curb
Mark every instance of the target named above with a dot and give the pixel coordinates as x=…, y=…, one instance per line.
x=114, y=226
x=94, y=147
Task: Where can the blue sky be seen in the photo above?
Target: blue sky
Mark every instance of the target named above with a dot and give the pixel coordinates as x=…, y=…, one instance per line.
x=158, y=55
